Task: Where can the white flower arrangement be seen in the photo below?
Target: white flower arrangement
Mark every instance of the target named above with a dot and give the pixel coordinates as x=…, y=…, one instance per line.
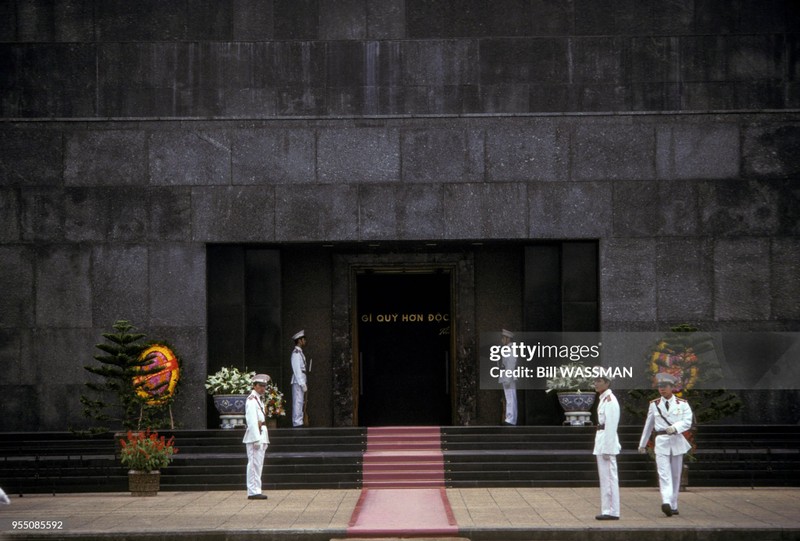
x=229, y=381
x=573, y=377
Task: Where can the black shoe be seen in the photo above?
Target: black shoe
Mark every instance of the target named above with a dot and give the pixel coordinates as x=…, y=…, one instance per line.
x=257, y=497
x=675, y=512
x=666, y=509
x=606, y=517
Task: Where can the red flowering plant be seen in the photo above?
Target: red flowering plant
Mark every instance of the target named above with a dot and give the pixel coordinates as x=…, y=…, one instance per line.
x=147, y=451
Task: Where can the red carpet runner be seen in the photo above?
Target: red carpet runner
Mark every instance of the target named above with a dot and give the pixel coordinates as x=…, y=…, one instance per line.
x=403, y=489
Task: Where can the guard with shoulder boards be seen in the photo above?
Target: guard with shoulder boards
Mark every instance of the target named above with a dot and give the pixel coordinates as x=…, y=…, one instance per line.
x=668, y=417
x=256, y=437
x=299, y=381
x=606, y=449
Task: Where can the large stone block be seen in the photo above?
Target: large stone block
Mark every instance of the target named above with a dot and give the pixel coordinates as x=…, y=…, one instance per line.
x=653, y=209
x=233, y=214
x=570, y=209
x=148, y=20
x=177, y=278
x=742, y=279
x=738, y=208
x=420, y=211
x=15, y=356
x=440, y=155
x=525, y=154
x=63, y=293
x=316, y=212
x=119, y=284
x=343, y=20
x=17, y=286
x=30, y=157
x=440, y=63
x=10, y=210
x=627, y=275
x=770, y=150
x=785, y=278
x=485, y=211
x=377, y=212
x=42, y=214
x=170, y=214
x=599, y=60
x=296, y=19
x=344, y=61
x=685, y=274
x=359, y=155
x=386, y=19
x=263, y=156
x=105, y=158
x=66, y=352
x=252, y=20
x=20, y=414
x=613, y=151
x=58, y=21
x=698, y=151
x=517, y=61
x=190, y=158
x=119, y=214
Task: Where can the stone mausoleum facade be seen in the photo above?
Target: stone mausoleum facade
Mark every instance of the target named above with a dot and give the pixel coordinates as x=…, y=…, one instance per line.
x=223, y=174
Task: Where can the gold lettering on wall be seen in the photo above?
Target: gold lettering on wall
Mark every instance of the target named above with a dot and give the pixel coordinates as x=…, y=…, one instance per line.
x=411, y=317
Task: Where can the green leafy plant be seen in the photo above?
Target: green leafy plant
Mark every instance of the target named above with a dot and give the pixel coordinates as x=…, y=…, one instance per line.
x=115, y=400
x=229, y=381
x=146, y=451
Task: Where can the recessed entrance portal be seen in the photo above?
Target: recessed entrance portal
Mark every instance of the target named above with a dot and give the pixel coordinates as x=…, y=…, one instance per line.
x=404, y=347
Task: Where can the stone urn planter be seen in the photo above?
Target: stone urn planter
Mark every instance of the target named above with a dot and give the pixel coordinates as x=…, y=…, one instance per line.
x=144, y=483
x=231, y=410
x=577, y=407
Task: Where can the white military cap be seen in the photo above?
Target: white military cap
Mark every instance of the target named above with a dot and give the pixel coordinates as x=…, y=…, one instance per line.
x=261, y=378
x=507, y=333
x=662, y=378
x=298, y=334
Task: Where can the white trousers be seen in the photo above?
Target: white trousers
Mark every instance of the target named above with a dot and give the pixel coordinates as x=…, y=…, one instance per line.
x=255, y=464
x=669, y=477
x=510, y=391
x=297, y=404
x=609, y=485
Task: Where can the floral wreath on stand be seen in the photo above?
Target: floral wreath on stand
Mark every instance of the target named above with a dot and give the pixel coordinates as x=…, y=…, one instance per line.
x=675, y=355
x=275, y=405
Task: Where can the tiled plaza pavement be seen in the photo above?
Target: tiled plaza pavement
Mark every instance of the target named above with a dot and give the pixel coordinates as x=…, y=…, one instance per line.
x=494, y=513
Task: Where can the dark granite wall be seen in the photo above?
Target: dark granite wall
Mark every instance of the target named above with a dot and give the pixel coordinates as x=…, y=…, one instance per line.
x=264, y=58
x=134, y=134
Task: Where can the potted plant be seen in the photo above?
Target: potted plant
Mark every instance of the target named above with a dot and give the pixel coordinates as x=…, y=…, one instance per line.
x=230, y=387
x=144, y=454
x=575, y=389
x=275, y=405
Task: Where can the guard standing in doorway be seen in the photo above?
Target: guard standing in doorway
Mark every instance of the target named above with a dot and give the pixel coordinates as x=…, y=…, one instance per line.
x=509, y=383
x=299, y=380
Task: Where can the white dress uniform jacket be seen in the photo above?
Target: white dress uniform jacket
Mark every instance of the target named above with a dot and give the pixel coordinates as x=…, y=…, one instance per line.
x=298, y=366
x=678, y=415
x=606, y=441
x=256, y=419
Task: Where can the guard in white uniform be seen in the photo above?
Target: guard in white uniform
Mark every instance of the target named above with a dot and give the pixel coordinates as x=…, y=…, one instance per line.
x=256, y=437
x=669, y=416
x=299, y=382
x=606, y=449
x=509, y=382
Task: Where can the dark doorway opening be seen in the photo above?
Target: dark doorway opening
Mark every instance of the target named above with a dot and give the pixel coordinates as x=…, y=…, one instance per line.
x=404, y=342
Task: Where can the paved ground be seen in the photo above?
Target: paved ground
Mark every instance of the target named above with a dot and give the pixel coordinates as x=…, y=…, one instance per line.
x=496, y=514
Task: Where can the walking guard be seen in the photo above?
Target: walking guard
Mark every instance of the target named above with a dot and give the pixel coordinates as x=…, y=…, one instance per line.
x=668, y=417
